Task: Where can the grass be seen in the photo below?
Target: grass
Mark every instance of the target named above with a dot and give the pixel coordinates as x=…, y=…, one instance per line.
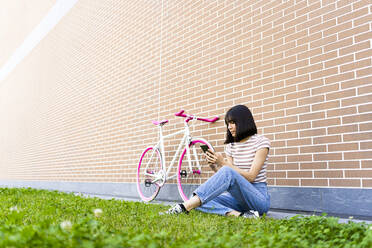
x=39, y=218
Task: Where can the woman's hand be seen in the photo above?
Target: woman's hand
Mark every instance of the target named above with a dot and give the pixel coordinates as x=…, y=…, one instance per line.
x=214, y=158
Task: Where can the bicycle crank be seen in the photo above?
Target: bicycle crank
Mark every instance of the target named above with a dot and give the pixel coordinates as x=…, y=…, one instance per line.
x=148, y=182
x=183, y=173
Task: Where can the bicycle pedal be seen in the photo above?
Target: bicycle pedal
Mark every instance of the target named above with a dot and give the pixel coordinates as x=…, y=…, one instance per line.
x=196, y=172
x=183, y=174
x=148, y=182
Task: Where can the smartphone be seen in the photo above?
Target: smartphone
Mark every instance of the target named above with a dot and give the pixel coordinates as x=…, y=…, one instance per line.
x=204, y=148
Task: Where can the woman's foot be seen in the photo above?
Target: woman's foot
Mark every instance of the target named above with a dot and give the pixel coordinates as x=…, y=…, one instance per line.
x=250, y=214
x=175, y=209
x=233, y=213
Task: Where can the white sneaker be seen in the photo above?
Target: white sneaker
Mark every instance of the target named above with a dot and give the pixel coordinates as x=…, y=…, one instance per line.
x=251, y=214
x=175, y=209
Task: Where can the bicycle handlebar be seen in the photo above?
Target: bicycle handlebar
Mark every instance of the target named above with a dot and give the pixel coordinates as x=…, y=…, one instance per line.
x=190, y=117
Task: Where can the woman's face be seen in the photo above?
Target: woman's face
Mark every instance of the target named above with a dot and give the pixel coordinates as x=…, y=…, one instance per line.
x=232, y=128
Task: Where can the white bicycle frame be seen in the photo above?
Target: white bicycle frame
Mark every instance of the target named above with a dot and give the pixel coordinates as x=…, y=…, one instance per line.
x=185, y=141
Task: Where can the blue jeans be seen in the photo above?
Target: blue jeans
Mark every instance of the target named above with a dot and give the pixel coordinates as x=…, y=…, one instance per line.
x=227, y=190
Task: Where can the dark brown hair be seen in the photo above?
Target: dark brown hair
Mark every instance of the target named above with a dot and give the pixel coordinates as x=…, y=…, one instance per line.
x=244, y=122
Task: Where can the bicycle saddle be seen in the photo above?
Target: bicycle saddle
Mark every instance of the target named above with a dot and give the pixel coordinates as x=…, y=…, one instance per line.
x=159, y=122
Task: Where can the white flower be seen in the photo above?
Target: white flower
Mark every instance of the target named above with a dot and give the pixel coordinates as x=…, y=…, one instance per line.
x=351, y=217
x=370, y=228
x=66, y=225
x=15, y=208
x=97, y=212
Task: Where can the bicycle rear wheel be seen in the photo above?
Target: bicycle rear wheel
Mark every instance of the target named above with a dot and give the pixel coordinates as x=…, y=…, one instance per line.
x=188, y=179
x=148, y=168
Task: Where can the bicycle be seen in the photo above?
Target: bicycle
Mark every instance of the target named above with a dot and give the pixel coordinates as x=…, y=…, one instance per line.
x=152, y=172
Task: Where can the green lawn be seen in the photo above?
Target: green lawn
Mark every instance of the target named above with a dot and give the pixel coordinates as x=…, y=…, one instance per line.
x=39, y=218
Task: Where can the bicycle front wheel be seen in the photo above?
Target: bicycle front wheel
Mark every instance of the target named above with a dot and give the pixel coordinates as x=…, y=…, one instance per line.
x=189, y=178
x=149, y=168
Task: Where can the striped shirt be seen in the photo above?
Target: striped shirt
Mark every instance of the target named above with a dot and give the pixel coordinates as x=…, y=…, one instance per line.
x=243, y=154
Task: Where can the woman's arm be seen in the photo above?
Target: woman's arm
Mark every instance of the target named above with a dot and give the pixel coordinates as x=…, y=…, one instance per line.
x=250, y=175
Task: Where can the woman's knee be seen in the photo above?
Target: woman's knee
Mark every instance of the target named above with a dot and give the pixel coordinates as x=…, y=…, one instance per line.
x=226, y=170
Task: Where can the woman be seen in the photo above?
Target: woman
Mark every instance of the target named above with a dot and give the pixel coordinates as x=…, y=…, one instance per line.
x=238, y=188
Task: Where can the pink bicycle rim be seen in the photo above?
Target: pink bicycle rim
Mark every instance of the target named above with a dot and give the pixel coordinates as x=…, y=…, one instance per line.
x=138, y=180
x=184, y=197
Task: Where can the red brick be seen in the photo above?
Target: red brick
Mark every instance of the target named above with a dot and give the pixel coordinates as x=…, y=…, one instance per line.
x=310, y=68
x=323, y=41
x=352, y=15
x=327, y=139
x=343, y=129
x=308, y=54
x=357, y=118
x=311, y=100
x=365, y=127
x=327, y=156
x=356, y=100
x=338, y=12
x=286, y=166
x=287, y=104
x=358, y=155
x=328, y=174
x=353, y=31
x=276, y=174
x=314, y=182
x=324, y=57
x=367, y=183
x=299, y=174
x=339, y=61
x=338, y=28
x=299, y=158
x=358, y=173
x=364, y=54
x=344, y=183
x=298, y=126
x=313, y=149
x=325, y=105
x=297, y=95
x=366, y=163
x=339, y=45
x=341, y=111
x=313, y=166
x=299, y=142
x=355, y=65
x=347, y=48
x=364, y=72
x=298, y=110
x=324, y=73
x=313, y=132
x=363, y=37
x=312, y=116
x=310, y=84
x=365, y=90
x=339, y=78
x=327, y=122
x=343, y=147
x=285, y=120
x=344, y=164
x=281, y=151
x=277, y=159
x=340, y=94
x=288, y=182
x=287, y=135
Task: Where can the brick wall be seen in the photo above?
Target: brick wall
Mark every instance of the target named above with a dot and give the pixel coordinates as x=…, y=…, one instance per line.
x=79, y=107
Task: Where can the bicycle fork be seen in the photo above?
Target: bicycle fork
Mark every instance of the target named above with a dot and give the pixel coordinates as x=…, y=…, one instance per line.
x=183, y=173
